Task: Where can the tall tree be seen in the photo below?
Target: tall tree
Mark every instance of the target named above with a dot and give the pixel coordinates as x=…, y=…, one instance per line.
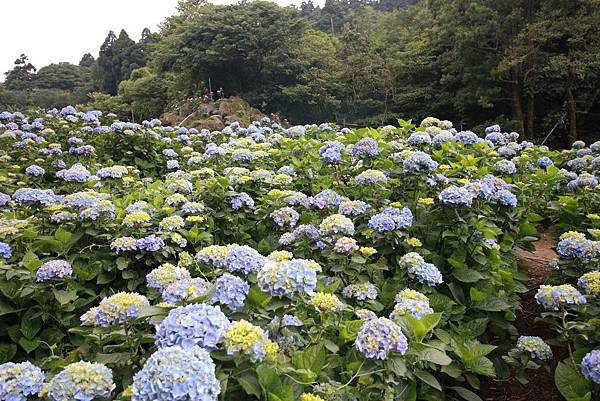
x=22, y=74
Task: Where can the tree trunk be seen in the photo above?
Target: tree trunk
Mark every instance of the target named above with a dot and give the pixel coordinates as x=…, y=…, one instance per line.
x=530, y=115
x=516, y=103
x=571, y=109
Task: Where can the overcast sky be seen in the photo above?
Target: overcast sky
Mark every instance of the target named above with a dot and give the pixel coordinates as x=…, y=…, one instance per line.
x=51, y=31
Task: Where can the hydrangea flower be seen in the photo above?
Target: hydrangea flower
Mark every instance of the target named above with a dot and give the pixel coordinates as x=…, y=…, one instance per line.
x=590, y=282
x=76, y=173
x=353, y=208
x=331, y=152
x=196, y=324
x=121, y=307
x=214, y=254
x=505, y=167
x=411, y=302
x=166, y=274
x=243, y=259
x=35, y=171
x=325, y=302
x=285, y=216
x=53, y=269
x=240, y=200
x=44, y=197
x=590, y=366
x=544, y=162
x=244, y=338
x=419, y=138
x=124, y=244
x=336, y=224
x=287, y=277
x=231, y=291
x=378, y=337
x=366, y=147
x=81, y=381
x=535, y=347
x=184, y=290
x=360, y=291
x=419, y=162
x=391, y=219
x=19, y=381
x=177, y=374
x=371, y=177
x=5, y=250
x=427, y=273
x=454, y=195
x=151, y=243
x=573, y=245
x=345, y=245
x=553, y=297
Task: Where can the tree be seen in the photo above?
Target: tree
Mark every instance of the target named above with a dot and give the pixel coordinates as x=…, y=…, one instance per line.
x=87, y=61
x=118, y=57
x=21, y=75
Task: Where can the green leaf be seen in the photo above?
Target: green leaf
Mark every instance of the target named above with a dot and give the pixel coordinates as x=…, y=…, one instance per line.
x=436, y=356
x=29, y=345
x=64, y=297
x=281, y=393
x=267, y=378
x=467, y=275
x=466, y=394
x=570, y=383
x=249, y=383
x=428, y=378
x=492, y=304
x=421, y=327
x=5, y=309
x=30, y=261
x=483, y=366
x=30, y=327
x=257, y=298
x=349, y=330
x=398, y=366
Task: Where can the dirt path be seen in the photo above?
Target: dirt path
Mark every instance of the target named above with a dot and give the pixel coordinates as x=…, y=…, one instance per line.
x=541, y=383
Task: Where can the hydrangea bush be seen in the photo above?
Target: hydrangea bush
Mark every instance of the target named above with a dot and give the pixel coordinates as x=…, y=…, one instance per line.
x=313, y=262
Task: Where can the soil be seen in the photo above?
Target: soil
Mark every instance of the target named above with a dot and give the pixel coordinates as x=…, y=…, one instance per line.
x=541, y=382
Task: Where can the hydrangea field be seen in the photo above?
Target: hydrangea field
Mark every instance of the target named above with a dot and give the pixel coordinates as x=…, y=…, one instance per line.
x=314, y=263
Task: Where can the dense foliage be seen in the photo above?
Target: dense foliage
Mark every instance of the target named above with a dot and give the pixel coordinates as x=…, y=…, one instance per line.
x=532, y=65
x=145, y=262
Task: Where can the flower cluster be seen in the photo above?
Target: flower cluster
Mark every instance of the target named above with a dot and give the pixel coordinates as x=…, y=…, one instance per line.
x=590, y=366
x=53, y=269
x=245, y=338
x=553, y=297
x=19, y=381
x=83, y=381
x=411, y=302
x=391, y=219
x=378, y=337
x=287, y=277
x=535, y=347
x=196, y=324
x=119, y=308
x=177, y=374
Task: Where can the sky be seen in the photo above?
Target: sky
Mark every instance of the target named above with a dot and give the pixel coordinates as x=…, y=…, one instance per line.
x=52, y=31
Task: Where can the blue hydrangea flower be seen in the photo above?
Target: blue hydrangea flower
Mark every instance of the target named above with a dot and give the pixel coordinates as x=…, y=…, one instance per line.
x=573, y=245
x=45, y=197
x=5, y=250
x=590, y=366
x=505, y=197
x=353, y=208
x=391, y=219
x=505, y=167
x=166, y=274
x=419, y=138
x=287, y=277
x=454, y=195
x=196, y=324
x=4, y=199
x=535, y=347
x=53, y=269
x=231, y=291
x=467, y=137
x=35, y=170
x=427, y=273
x=378, y=337
x=366, y=147
x=331, y=152
x=19, y=381
x=544, y=162
x=336, y=224
x=360, y=291
x=121, y=307
x=240, y=200
x=81, y=381
x=285, y=216
x=151, y=243
x=418, y=162
x=243, y=259
x=553, y=297
x=327, y=198
x=411, y=302
x=177, y=374
x=184, y=289
x=371, y=177
x=76, y=173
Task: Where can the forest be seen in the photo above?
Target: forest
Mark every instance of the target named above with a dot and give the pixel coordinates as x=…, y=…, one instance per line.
x=532, y=66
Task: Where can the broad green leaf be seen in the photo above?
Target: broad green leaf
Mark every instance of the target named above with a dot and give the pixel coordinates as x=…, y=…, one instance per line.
x=570, y=383
x=428, y=378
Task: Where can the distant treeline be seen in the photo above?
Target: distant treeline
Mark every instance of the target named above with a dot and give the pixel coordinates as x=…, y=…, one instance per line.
x=531, y=65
